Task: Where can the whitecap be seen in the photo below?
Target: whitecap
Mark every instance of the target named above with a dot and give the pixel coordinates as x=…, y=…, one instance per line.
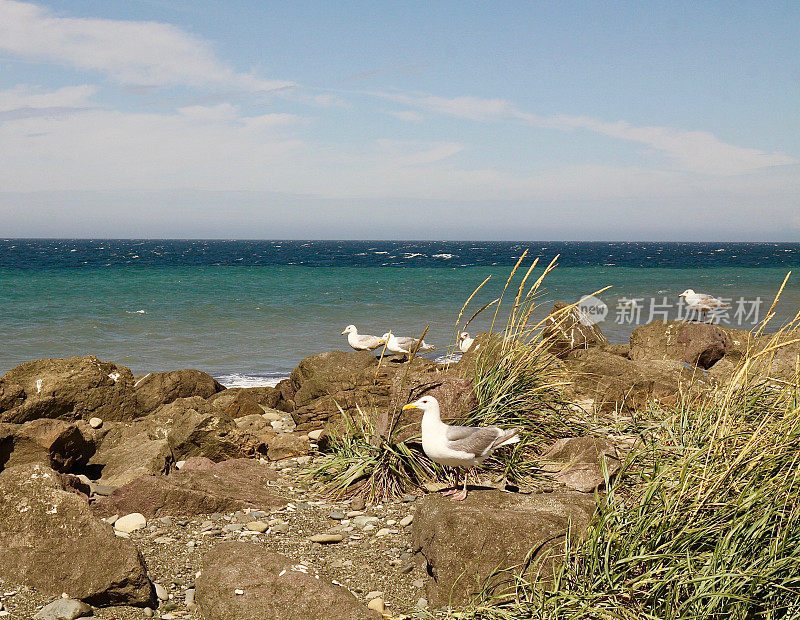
x=241, y=380
x=136, y=311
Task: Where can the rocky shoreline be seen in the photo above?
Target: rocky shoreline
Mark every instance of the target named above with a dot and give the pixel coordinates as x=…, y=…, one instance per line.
x=168, y=495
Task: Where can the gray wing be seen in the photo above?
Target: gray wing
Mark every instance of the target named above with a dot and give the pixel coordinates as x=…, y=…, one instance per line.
x=371, y=342
x=471, y=439
x=713, y=302
x=405, y=342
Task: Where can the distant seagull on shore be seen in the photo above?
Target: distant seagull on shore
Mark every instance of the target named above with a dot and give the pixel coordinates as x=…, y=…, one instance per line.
x=702, y=302
x=403, y=345
x=359, y=342
x=458, y=446
x=464, y=342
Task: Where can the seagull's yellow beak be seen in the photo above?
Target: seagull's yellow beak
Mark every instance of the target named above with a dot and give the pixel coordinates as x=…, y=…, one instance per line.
x=382, y=340
x=344, y=332
x=410, y=406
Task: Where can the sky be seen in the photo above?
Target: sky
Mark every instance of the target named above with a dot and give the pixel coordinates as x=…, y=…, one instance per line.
x=400, y=120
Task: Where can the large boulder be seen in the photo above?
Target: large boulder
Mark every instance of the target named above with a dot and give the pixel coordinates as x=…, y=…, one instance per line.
x=68, y=389
x=613, y=382
x=241, y=398
x=323, y=383
x=243, y=581
x=161, y=388
x=64, y=446
x=698, y=344
x=582, y=463
x=201, y=487
x=564, y=331
x=462, y=544
x=51, y=541
x=179, y=430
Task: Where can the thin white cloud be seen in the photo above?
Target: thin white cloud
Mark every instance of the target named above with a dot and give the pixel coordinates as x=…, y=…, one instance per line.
x=693, y=151
x=24, y=97
x=128, y=52
x=407, y=115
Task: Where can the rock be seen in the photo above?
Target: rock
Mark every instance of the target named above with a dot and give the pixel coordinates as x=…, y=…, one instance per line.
x=252, y=423
x=224, y=487
x=377, y=604
x=95, y=422
x=287, y=445
x=460, y=544
x=52, y=542
x=257, y=526
x=326, y=539
x=198, y=429
x=565, y=332
x=161, y=592
x=266, y=397
x=578, y=462
x=699, y=344
x=271, y=588
x=315, y=435
x=614, y=382
x=64, y=609
x=622, y=349
x=406, y=520
x=335, y=515
x=130, y=522
x=189, y=597
x=68, y=389
x=161, y=388
x=237, y=404
x=61, y=445
x=128, y=451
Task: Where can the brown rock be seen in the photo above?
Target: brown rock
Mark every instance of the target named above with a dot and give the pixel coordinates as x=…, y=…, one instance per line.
x=565, y=332
x=240, y=402
x=52, y=542
x=461, y=544
x=199, y=429
x=699, y=344
x=128, y=451
x=579, y=462
x=58, y=444
x=198, y=488
x=68, y=389
x=272, y=589
x=160, y=388
x=613, y=382
x=286, y=445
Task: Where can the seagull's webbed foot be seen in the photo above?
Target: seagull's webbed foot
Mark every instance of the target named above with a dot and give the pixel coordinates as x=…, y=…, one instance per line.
x=449, y=492
x=460, y=496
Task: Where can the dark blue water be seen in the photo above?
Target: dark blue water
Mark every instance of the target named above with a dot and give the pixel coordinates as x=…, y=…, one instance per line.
x=249, y=310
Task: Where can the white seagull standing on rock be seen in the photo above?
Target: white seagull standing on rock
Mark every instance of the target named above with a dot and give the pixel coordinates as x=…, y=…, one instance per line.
x=403, y=345
x=464, y=342
x=702, y=302
x=458, y=446
x=359, y=342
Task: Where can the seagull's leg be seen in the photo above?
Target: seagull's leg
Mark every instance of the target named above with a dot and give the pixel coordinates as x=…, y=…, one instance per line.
x=454, y=489
x=462, y=495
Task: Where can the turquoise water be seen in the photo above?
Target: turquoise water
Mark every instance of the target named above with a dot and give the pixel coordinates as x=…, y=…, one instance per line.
x=258, y=321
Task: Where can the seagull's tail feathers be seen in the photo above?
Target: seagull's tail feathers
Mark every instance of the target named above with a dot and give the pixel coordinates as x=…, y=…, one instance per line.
x=508, y=437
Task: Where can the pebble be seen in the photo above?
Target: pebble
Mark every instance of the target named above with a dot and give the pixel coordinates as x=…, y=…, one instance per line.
x=232, y=527
x=166, y=521
x=407, y=568
x=374, y=594
x=422, y=603
x=357, y=503
x=190, y=597
x=325, y=539
x=409, y=498
x=391, y=522
x=164, y=540
x=406, y=520
x=257, y=526
x=180, y=464
x=281, y=528
x=315, y=435
x=64, y=609
x=384, y=531
x=161, y=592
x=377, y=604
x=238, y=592
x=95, y=422
x=130, y=523
x=419, y=583
x=335, y=515
x=147, y=612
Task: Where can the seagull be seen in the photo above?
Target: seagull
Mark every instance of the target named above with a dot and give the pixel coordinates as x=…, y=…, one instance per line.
x=702, y=302
x=403, y=345
x=359, y=342
x=458, y=446
x=464, y=342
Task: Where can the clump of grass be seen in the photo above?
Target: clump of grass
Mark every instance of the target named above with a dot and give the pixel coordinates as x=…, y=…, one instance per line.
x=702, y=522
x=362, y=462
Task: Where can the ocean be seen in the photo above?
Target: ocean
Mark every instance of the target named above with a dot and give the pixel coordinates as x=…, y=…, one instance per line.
x=248, y=311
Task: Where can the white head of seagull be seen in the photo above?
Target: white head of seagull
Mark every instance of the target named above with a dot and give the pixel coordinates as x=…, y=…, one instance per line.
x=458, y=446
x=464, y=342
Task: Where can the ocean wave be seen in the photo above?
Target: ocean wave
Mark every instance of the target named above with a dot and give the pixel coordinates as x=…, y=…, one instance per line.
x=240, y=380
x=445, y=256
x=136, y=312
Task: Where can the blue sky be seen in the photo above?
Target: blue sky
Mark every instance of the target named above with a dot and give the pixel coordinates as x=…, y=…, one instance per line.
x=509, y=120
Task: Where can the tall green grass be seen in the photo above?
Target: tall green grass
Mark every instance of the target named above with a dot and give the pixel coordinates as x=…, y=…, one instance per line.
x=702, y=522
